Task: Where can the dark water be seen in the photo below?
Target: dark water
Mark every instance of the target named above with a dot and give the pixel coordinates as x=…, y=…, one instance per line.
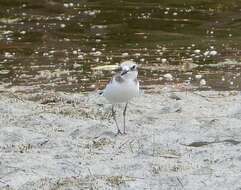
x=54, y=45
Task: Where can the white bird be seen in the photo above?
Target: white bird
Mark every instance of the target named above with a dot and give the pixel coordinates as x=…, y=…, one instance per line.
x=122, y=88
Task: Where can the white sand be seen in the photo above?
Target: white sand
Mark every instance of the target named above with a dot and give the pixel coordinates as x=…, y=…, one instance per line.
x=191, y=143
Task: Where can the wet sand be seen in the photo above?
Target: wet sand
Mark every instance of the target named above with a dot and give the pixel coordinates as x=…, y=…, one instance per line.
x=175, y=140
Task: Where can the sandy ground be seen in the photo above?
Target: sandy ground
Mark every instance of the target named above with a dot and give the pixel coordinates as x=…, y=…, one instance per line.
x=175, y=140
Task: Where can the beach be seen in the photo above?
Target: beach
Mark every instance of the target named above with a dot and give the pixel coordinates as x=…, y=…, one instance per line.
x=175, y=140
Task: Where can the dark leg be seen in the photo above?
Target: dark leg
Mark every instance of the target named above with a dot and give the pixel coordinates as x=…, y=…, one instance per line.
x=124, y=116
x=114, y=117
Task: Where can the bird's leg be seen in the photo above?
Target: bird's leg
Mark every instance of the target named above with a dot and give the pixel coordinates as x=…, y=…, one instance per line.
x=114, y=117
x=124, y=117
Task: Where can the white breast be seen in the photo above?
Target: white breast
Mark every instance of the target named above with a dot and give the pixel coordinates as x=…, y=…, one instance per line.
x=116, y=92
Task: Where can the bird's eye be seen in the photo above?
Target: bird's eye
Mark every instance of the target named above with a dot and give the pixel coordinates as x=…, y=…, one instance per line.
x=133, y=67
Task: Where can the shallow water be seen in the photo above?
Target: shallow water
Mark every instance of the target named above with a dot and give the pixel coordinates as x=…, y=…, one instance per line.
x=52, y=45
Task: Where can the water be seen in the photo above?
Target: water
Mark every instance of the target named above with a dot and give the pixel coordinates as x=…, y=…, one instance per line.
x=53, y=45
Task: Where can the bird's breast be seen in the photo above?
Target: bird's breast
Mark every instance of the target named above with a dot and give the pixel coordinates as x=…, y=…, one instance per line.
x=117, y=92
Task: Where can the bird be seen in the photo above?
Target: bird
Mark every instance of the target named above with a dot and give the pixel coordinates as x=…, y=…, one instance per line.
x=121, y=89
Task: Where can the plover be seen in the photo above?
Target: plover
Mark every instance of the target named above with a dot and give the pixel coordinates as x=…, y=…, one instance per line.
x=122, y=88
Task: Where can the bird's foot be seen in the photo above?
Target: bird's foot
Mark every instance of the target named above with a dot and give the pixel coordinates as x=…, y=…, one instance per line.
x=119, y=132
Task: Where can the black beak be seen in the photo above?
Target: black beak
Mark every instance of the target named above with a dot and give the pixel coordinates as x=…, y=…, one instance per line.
x=124, y=72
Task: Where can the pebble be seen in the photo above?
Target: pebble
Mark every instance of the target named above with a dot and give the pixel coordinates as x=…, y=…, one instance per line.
x=23, y=32
x=8, y=55
x=213, y=53
x=80, y=57
x=124, y=54
x=163, y=60
x=198, y=76
x=97, y=53
x=168, y=76
x=203, y=82
x=197, y=51
x=62, y=25
x=137, y=54
x=206, y=53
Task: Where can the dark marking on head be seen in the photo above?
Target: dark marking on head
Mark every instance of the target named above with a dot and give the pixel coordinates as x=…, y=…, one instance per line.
x=119, y=79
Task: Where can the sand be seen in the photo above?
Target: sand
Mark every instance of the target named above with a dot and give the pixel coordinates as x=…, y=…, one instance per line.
x=176, y=140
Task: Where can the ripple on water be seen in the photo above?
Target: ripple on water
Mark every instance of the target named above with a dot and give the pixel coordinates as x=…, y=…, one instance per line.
x=55, y=46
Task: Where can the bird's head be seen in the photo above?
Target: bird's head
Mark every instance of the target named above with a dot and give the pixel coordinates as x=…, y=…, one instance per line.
x=129, y=70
